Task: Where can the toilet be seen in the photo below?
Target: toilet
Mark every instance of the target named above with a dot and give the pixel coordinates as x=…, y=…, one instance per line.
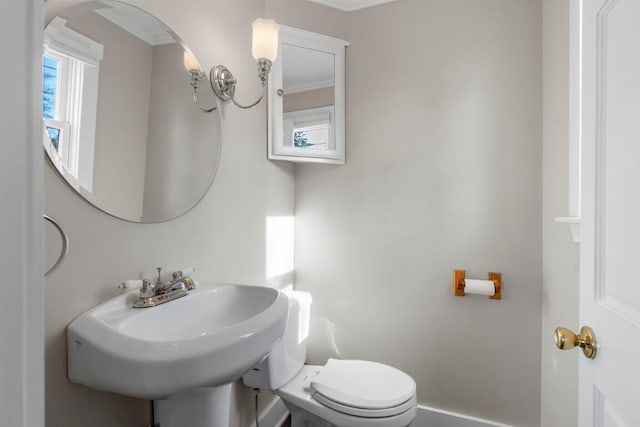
x=341, y=393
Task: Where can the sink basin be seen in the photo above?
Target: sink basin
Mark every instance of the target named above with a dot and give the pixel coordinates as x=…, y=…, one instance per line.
x=207, y=339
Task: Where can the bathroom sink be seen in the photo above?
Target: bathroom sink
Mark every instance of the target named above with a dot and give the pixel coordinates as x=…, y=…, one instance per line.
x=206, y=339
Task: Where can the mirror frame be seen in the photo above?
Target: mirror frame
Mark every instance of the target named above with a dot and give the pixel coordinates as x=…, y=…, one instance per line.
x=276, y=149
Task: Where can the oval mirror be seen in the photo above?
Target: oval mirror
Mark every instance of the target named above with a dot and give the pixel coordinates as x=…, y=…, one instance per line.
x=120, y=125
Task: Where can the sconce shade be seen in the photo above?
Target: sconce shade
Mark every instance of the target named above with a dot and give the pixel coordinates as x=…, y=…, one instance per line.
x=265, y=39
x=190, y=61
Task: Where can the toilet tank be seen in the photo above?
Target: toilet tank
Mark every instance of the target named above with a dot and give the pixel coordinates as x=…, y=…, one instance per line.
x=288, y=356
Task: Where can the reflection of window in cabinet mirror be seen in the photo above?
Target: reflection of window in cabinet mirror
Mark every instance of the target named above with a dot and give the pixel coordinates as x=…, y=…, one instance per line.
x=307, y=98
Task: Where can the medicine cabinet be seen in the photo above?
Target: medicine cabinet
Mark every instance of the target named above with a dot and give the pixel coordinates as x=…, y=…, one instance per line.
x=306, y=120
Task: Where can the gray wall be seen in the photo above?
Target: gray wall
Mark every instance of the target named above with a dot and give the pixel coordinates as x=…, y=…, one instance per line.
x=309, y=16
x=223, y=237
x=560, y=255
x=175, y=176
x=443, y=171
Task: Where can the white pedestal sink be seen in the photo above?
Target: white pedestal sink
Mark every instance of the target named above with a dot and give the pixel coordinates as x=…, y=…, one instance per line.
x=183, y=354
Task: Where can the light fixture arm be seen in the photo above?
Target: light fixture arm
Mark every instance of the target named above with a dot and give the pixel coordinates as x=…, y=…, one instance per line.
x=250, y=105
x=223, y=83
x=195, y=76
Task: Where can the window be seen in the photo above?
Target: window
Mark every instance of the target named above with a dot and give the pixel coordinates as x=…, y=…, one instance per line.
x=310, y=129
x=49, y=86
x=70, y=70
x=312, y=137
x=54, y=91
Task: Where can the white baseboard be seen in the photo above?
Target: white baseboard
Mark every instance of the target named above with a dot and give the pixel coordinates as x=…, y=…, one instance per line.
x=276, y=413
x=432, y=417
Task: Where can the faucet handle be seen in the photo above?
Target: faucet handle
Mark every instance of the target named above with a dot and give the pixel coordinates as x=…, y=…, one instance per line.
x=189, y=283
x=146, y=291
x=185, y=272
x=184, y=276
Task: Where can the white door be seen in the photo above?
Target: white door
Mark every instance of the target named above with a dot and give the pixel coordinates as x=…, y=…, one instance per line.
x=21, y=224
x=610, y=234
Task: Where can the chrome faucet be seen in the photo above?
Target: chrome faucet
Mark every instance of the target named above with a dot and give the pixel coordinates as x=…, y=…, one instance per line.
x=161, y=292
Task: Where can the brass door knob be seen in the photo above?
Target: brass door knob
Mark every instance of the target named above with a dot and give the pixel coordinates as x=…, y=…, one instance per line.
x=566, y=340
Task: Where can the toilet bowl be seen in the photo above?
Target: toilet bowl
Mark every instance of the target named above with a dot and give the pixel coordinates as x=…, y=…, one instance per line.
x=341, y=393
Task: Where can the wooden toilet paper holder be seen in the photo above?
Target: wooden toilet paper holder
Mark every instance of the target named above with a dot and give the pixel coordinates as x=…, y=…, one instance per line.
x=458, y=284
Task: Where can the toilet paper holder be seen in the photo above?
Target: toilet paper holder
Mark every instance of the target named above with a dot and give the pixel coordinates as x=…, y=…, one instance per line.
x=458, y=284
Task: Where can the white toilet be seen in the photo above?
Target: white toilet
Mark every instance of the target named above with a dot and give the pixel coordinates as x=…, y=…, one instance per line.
x=342, y=393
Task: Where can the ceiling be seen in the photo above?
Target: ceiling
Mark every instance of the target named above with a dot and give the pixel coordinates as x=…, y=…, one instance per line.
x=351, y=5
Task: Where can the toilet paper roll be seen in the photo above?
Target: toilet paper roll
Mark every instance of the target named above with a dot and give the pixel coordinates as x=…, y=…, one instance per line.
x=129, y=285
x=479, y=287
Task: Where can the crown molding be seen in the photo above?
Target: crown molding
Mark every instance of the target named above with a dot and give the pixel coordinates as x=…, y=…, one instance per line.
x=351, y=5
x=152, y=35
x=62, y=39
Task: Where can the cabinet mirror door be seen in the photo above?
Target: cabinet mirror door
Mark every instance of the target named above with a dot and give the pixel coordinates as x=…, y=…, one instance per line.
x=307, y=98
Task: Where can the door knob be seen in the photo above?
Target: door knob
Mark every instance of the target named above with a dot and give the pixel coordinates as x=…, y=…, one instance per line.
x=566, y=340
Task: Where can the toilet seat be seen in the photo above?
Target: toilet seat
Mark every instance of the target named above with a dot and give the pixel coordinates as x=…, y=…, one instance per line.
x=297, y=396
x=362, y=388
x=364, y=413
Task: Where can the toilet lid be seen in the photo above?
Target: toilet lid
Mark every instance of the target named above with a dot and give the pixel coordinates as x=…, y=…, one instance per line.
x=363, y=388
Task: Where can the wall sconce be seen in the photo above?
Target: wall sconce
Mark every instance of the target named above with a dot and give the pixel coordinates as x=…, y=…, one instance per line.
x=223, y=84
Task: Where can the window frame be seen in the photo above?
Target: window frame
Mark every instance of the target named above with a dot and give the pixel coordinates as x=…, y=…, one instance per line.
x=79, y=60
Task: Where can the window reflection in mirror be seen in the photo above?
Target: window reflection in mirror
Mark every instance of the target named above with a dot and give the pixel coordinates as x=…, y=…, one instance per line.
x=119, y=124
x=311, y=129
x=309, y=96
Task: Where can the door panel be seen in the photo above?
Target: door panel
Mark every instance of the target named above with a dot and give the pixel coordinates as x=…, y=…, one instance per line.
x=610, y=247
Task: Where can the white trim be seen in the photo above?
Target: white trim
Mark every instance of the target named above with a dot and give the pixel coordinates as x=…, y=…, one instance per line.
x=575, y=120
x=575, y=106
x=22, y=225
x=59, y=38
x=86, y=132
x=309, y=87
x=574, y=226
x=427, y=417
x=295, y=36
x=120, y=18
x=276, y=413
x=351, y=5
